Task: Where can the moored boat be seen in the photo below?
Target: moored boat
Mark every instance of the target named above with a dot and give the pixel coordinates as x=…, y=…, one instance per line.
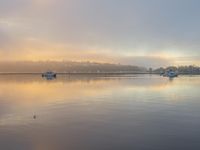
x=171, y=74
x=49, y=74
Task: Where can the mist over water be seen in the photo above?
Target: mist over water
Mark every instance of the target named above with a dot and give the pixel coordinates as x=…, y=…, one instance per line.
x=137, y=112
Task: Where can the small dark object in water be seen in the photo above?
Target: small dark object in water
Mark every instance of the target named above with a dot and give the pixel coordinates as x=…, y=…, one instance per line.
x=34, y=117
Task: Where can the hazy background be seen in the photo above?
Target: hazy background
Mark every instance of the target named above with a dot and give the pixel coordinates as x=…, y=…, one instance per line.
x=150, y=33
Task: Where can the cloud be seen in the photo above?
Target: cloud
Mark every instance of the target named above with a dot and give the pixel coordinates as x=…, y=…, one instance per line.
x=112, y=29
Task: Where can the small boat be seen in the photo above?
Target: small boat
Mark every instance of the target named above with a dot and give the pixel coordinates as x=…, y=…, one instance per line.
x=49, y=74
x=172, y=74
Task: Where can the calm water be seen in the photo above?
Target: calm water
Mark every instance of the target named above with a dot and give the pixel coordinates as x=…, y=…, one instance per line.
x=139, y=112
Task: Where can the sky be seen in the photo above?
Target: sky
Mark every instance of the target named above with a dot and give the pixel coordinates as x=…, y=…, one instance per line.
x=149, y=33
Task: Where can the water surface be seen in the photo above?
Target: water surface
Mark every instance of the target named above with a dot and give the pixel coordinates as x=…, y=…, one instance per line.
x=140, y=112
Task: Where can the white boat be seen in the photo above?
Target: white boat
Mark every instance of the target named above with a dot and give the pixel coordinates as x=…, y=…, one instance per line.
x=49, y=74
x=172, y=74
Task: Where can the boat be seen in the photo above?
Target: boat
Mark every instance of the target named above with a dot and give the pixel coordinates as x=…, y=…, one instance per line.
x=171, y=74
x=49, y=74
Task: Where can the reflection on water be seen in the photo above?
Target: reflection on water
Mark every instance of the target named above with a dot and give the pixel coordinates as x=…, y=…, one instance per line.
x=99, y=112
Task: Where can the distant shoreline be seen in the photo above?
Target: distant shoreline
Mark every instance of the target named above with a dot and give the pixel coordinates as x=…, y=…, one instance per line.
x=81, y=73
x=84, y=73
